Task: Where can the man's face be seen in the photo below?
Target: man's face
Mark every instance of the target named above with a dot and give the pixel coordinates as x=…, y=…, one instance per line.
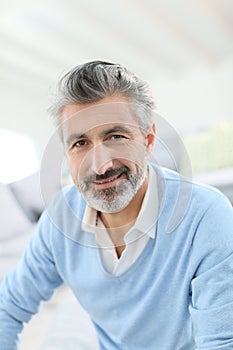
x=106, y=152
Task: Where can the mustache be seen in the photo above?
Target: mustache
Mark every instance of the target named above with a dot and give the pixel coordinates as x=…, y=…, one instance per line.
x=107, y=174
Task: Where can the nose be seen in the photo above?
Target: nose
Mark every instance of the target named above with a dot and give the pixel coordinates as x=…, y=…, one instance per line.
x=101, y=159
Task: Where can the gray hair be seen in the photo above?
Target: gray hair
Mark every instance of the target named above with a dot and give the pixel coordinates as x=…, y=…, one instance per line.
x=92, y=81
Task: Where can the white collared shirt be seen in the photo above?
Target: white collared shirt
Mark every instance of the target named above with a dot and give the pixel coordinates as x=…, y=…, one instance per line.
x=135, y=239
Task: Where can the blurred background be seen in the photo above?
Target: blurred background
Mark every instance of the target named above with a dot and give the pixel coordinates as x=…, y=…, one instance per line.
x=183, y=48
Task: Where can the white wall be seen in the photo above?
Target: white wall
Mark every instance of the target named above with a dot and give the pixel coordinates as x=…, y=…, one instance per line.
x=200, y=98
x=24, y=110
x=188, y=103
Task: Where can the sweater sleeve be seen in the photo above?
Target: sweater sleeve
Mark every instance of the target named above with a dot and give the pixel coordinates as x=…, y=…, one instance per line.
x=212, y=284
x=22, y=290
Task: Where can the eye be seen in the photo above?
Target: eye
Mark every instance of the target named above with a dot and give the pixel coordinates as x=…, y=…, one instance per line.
x=79, y=144
x=117, y=137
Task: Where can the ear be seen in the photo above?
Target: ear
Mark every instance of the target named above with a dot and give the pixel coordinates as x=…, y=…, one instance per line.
x=150, y=138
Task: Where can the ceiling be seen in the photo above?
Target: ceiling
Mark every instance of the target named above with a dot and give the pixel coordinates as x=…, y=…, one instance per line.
x=155, y=38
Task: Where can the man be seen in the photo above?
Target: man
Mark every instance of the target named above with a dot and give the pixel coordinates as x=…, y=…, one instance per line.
x=147, y=253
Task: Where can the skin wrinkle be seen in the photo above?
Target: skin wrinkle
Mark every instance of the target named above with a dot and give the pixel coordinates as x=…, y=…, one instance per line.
x=99, y=157
x=75, y=137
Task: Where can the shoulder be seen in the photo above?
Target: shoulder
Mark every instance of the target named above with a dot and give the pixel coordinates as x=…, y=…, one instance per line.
x=64, y=214
x=183, y=201
x=66, y=200
x=201, y=195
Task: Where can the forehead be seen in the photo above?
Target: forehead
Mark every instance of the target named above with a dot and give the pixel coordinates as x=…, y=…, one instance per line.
x=83, y=118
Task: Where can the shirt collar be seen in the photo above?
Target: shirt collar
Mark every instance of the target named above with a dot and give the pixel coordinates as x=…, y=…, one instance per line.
x=146, y=220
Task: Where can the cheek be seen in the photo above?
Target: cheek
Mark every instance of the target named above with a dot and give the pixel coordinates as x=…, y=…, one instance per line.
x=79, y=166
x=135, y=156
x=74, y=165
x=133, y=166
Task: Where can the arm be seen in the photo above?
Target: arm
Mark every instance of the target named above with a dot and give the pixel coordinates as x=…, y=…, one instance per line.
x=34, y=280
x=212, y=285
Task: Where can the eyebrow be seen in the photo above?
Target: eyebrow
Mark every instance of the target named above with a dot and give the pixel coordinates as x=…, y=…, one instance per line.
x=74, y=137
x=103, y=134
x=115, y=129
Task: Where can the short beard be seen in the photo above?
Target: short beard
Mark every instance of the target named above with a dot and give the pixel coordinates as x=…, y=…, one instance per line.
x=114, y=198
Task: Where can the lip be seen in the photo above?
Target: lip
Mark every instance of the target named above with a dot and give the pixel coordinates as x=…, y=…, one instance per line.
x=109, y=182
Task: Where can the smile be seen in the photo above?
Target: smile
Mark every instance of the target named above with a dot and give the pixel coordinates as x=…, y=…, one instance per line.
x=109, y=182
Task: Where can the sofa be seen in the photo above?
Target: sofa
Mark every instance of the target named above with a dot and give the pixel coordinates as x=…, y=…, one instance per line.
x=21, y=205
x=222, y=179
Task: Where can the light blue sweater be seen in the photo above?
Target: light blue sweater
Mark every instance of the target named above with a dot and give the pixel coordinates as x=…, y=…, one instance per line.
x=178, y=295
